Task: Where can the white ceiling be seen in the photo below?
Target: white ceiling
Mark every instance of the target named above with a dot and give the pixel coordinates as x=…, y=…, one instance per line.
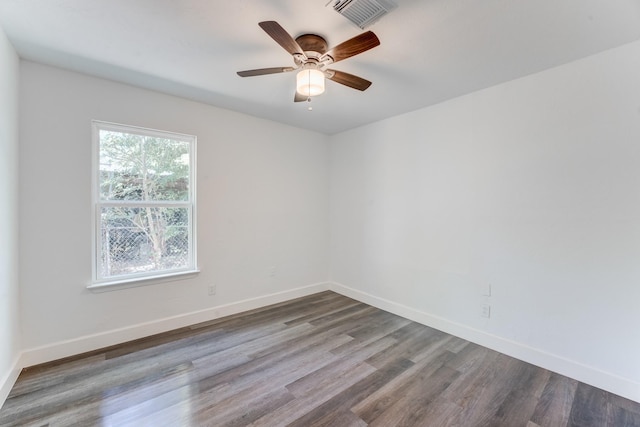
x=431, y=50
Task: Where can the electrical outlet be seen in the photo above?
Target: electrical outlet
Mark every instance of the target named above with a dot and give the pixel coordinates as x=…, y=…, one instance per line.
x=272, y=271
x=487, y=290
x=212, y=289
x=486, y=311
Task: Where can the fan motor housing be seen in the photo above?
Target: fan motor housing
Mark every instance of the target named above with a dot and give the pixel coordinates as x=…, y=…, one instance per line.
x=312, y=43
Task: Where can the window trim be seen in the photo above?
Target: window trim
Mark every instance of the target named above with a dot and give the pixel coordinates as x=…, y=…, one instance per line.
x=144, y=278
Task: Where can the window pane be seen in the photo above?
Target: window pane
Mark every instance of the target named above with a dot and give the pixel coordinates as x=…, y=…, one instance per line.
x=143, y=239
x=143, y=168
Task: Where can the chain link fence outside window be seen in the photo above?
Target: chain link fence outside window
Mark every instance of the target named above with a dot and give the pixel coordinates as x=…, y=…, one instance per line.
x=135, y=249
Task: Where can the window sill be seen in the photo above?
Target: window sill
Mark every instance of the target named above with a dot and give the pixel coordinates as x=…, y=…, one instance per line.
x=115, y=285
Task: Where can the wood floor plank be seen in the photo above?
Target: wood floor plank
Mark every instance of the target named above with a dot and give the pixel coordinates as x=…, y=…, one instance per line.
x=424, y=389
x=319, y=360
x=473, y=366
x=626, y=404
x=411, y=343
x=342, y=366
x=293, y=410
x=32, y=380
x=554, y=405
x=322, y=315
x=623, y=417
x=330, y=412
x=518, y=407
x=485, y=392
x=343, y=419
x=591, y=406
x=245, y=407
x=372, y=406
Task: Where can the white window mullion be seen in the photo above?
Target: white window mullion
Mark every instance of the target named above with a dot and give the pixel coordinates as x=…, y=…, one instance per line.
x=131, y=204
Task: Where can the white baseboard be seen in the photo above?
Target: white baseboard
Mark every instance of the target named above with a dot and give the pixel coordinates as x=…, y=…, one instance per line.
x=586, y=374
x=9, y=379
x=59, y=350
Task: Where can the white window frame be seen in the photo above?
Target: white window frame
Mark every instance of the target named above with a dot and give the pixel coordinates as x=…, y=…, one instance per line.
x=150, y=277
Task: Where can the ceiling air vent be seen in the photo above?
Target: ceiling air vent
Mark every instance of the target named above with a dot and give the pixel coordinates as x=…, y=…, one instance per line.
x=363, y=12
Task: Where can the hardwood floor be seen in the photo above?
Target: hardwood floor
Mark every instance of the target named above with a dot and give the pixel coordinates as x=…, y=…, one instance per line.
x=322, y=360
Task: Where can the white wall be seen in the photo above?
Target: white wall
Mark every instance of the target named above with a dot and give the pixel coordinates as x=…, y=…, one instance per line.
x=262, y=203
x=9, y=293
x=532, y=186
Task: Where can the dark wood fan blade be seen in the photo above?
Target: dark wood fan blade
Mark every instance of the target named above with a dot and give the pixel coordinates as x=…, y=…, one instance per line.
x=263, y=71
x=299, y=97
x=350, y=80
x=352, y=47
x=283, y=38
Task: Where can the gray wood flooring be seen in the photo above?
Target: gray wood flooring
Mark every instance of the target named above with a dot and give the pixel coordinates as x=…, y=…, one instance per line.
x=321, y=360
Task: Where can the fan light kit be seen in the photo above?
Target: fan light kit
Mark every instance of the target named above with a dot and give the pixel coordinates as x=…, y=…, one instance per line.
x=311, y=58
x=310, y=82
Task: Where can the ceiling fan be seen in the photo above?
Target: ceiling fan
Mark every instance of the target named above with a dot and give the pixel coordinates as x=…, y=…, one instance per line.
x=312, y=56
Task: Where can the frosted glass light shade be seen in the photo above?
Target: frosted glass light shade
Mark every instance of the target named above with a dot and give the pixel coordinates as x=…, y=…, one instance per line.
x=310, y=82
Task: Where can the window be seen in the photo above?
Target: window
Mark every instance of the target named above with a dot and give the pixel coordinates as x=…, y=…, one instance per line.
x=144, y=199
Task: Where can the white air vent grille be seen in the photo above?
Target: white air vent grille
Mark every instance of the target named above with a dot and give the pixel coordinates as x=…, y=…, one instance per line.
x=363, y=12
